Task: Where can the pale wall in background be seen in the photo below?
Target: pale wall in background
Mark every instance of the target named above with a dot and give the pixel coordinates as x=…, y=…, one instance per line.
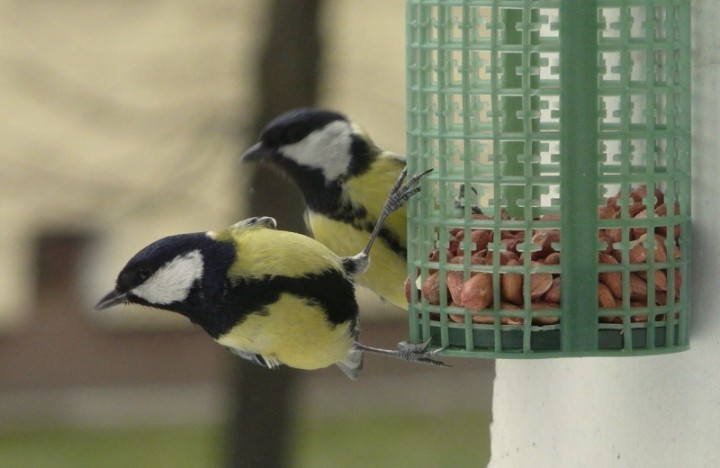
x=126, y=119
x=119, y=119
x=659, y=411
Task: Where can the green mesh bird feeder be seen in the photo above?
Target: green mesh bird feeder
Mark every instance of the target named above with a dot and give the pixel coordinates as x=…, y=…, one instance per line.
x=556, y=221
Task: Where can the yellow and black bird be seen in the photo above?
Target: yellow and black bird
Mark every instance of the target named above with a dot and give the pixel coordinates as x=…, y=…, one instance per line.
x=344, y=178
x=273, y=297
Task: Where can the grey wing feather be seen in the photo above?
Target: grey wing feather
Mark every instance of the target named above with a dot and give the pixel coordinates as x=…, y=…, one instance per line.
x=256, y=358
x=352, y=364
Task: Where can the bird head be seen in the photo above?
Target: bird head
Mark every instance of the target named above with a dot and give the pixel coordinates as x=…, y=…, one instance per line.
x=313, y=143
x=166, y=273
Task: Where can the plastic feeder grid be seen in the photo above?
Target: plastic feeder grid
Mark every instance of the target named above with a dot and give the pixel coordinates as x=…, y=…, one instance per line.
x=542, y=110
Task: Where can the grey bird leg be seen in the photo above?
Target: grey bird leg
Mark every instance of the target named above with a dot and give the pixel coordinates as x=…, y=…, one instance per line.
x=399, y=194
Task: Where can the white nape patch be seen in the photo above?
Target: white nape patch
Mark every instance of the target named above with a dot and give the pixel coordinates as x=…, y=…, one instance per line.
x=327, y=149
x=172, y=281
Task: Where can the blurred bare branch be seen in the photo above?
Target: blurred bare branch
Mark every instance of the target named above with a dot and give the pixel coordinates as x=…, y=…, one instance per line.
x=261, y=430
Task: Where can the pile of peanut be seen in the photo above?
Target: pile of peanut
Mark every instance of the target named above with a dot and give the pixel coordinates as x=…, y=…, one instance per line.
x=476, y=293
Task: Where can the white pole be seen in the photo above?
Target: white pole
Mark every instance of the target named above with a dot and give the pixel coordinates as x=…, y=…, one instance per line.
x=660, y=411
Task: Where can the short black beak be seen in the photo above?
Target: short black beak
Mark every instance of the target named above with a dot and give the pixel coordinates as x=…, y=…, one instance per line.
x=256, y=152
x=111, y=299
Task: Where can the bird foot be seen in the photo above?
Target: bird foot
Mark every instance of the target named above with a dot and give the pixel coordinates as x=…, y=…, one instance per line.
x=419, y=353
x=408, y=352
x=264, y=221
x=401, y=193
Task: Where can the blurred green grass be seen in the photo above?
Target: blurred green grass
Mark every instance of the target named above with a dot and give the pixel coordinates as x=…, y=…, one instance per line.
x=366, y=440
x=417, y=440
x=112, y=447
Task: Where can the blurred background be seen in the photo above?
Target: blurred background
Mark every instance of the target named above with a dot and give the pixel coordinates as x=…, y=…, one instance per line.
x=122, y=122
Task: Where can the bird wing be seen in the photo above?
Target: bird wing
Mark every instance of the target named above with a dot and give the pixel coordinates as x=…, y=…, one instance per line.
x=270, y=252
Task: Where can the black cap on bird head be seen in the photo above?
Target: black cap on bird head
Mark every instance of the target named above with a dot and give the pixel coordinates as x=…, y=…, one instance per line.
x=295, y=125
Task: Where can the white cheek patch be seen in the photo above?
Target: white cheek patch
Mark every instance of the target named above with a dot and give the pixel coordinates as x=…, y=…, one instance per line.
x=172, y=282
x=327, y=149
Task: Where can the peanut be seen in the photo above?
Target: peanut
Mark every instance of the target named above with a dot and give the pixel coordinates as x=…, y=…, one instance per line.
x=511, y=285
x=638, y=287
x=611, y=279
x=545, y=320
x=605, y=297
x=477, y=292
x=431, y=288
x=553, y=294
x=540, y=283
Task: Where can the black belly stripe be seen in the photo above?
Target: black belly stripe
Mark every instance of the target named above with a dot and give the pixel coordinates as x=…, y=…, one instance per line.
x=356, y=216
x=327, y=200
x=385, y=234
x=330, y=290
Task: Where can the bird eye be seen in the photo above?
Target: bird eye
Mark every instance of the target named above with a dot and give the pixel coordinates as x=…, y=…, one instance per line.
x=143, y=274
x=293, y=135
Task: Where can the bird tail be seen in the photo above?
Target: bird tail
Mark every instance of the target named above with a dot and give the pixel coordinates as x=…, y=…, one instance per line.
x=352, y=364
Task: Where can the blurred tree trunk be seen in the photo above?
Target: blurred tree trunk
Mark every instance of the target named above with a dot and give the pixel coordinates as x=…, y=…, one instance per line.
x=261, y=426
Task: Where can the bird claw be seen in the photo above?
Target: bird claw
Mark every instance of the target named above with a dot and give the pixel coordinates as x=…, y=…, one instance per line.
x=461, y=200
x=264, y=221
x=401, y=193
x=418, y=352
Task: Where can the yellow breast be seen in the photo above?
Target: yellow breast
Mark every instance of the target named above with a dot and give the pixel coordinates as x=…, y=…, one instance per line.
x=293, y=332
x=387, y=272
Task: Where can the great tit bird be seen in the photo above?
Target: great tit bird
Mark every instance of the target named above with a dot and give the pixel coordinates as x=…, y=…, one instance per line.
x=273, y=297
x=344, y=178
